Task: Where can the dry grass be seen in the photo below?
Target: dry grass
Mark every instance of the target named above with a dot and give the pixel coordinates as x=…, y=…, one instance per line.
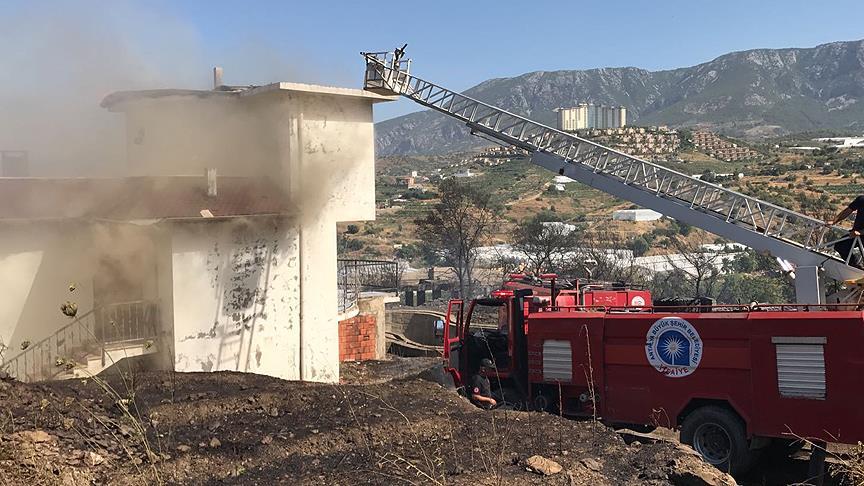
x=124, y=399
x=851, y=466
x=848, y=466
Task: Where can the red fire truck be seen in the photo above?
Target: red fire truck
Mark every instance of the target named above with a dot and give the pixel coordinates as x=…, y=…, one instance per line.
x=732, y=378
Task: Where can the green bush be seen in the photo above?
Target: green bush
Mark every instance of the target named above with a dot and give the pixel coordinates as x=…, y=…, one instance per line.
x=409, y=252
x=743, y=288
x=354, y=245
x=639, y=245
x=419, y=195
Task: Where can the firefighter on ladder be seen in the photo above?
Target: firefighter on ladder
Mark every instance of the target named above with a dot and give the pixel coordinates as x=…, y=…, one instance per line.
x=397, y=56
x=846, y=246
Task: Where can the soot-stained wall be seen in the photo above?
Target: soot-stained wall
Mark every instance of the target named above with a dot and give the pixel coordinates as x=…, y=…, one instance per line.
x=236, y=297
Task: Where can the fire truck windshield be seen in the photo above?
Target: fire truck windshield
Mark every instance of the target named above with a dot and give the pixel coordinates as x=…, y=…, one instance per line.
x=488, y=314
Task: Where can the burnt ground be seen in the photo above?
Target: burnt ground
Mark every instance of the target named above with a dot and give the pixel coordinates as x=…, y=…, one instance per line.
x=383, y=425
x=394, y=368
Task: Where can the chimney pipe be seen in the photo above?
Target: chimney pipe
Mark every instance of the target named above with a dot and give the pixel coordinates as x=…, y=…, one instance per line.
x=217, y=78
x=211, y=182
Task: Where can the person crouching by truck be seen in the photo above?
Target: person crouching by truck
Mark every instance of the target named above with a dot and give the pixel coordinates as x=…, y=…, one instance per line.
x=479, y=389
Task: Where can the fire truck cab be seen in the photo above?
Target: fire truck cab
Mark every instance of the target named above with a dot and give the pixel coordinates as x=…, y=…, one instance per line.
x=731, y=378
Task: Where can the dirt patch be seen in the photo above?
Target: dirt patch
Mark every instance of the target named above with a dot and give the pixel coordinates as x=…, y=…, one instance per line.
x=234, y=428
x=380, y=371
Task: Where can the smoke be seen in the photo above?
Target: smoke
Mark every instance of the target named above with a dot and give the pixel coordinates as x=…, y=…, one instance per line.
x=58, y=62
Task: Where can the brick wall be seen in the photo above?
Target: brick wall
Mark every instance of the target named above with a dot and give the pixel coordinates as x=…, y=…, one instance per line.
x=357, y=338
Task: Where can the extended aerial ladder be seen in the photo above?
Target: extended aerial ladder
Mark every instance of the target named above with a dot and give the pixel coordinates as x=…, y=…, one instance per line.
x=797, y=240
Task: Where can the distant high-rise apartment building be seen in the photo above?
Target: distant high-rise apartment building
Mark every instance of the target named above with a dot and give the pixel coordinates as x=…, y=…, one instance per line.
x=589, y=115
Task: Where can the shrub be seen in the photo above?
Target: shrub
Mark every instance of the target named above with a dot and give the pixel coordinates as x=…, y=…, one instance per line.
x=639, y=246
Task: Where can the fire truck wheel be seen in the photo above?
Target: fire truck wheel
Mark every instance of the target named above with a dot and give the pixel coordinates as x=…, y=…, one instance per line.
x=546, y=403
x=541, y=403
x=718, y=435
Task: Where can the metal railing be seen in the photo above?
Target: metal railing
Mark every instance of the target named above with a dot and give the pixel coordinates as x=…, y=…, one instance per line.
x=698, y=308
x=786, y=233
x=86, y=335
x=357, y=276
x=127, y=321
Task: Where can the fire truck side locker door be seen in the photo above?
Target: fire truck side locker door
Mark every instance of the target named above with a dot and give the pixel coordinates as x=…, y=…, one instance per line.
x=588, y=358
x=555, y=338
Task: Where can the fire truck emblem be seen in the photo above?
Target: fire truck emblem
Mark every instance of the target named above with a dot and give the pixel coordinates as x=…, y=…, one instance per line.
x=673, y=347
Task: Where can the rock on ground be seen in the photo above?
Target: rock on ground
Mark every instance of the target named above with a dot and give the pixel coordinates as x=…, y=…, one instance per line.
x=691, y=470
x=541, y=465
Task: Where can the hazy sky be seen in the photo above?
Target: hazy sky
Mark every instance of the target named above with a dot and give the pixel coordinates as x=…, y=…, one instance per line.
x=454, y=43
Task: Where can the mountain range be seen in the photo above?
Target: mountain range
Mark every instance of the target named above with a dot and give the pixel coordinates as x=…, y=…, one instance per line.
x=751, y=94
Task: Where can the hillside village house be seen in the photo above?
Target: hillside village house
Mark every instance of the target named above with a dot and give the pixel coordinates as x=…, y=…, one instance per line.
x=216, y=251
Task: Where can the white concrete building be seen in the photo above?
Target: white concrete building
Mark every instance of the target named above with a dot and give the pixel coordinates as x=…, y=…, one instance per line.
x=560, y=227
x=636, y=215
x=232, y=272
x=844, y=142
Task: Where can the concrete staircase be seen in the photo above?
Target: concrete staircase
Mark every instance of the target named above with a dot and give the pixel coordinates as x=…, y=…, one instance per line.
x=96, y=361
x=91, y=343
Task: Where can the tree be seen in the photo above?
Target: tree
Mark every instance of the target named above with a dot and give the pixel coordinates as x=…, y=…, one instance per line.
x=507, y=264
x=599, y=257
x=744, y=263
x=742, y=289
x=639, y=246
x=670, y=285
x=752, y=261
x=544, y=243
x=699, y=267
x=345, y=244
x=458, y=224
x=683, y=229
x=409, y=252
